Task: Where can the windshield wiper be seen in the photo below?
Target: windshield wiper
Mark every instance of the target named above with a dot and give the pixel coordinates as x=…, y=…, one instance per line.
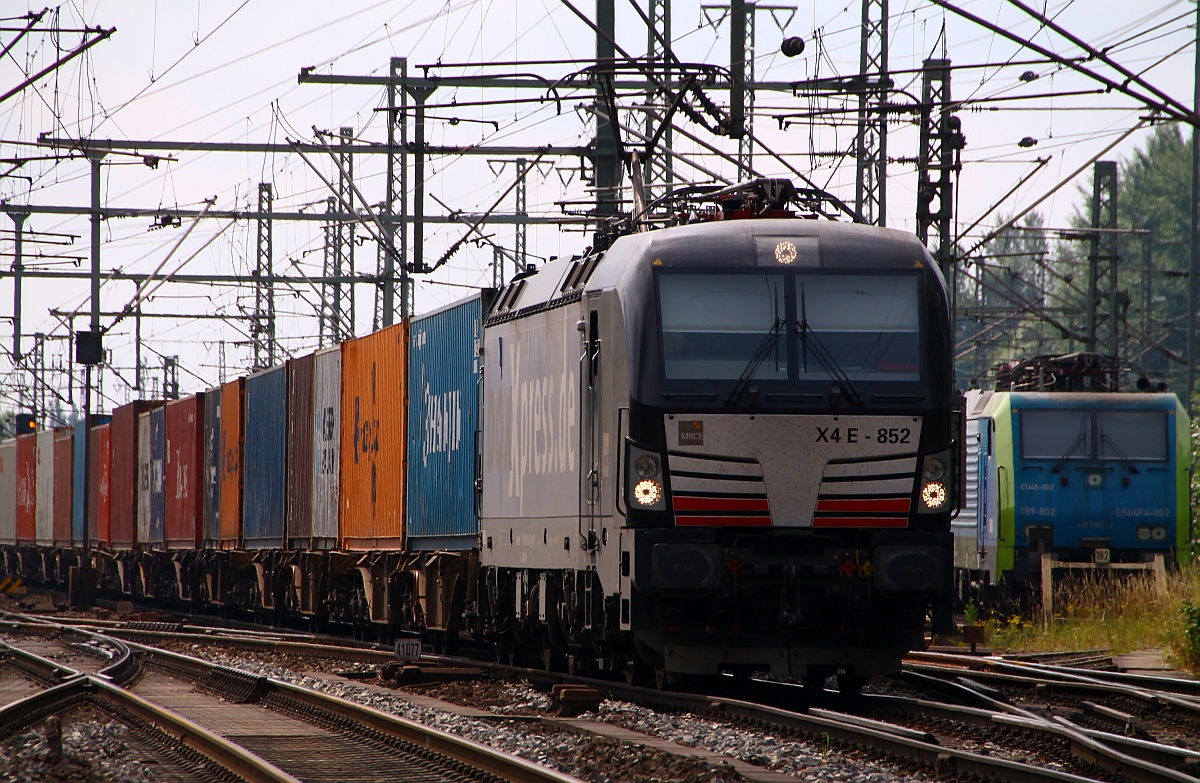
x=1124, y=457
x=1079, y=441
x=760, y=355
x=822, y=355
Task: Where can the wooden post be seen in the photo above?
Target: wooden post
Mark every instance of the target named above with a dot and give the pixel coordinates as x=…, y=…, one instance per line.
x=1160, y=575
x=1047, y=586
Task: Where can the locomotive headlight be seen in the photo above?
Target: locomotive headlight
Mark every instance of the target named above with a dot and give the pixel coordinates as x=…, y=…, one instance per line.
x=646, y=466
x=645, y=484
x=935, y=468
x=935, y=477
x=1158, y=533
x=1143, y=534
x=934, y=495
x=647, y=492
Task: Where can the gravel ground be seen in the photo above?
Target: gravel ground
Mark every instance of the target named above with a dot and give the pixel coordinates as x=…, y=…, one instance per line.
x=591, y=759
x=95, y=749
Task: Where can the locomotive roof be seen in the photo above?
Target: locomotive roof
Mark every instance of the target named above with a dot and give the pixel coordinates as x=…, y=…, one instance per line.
x=821, y=244
x=726, y=242
x=987, y=403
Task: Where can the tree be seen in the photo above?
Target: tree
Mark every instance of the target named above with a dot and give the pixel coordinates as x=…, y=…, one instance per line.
x=1153, y=194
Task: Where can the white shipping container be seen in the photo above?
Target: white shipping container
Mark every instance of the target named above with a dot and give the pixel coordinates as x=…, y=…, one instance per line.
x=8, y=492
x=143, y=478
x=327, y=453
x=44, y=487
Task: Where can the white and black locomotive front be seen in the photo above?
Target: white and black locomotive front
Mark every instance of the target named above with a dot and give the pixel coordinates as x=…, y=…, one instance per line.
x=789, y=461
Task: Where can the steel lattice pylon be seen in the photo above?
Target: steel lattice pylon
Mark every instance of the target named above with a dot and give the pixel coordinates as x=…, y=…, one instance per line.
x=263, y=326
x=870, y=194
x=1103, y=260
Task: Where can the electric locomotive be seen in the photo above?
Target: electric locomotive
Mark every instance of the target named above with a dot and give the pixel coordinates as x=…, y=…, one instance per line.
x=725, y=445
x=1091, y=478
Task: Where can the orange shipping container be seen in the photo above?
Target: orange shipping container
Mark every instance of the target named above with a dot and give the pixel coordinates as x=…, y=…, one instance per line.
x=233, y=434
x=374, y=415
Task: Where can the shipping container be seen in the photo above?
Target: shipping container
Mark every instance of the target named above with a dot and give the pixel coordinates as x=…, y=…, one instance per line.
x=100, y=528
x=82, y=503
x=64, y=461
x=232, y=442
x=373, y=439
x=443, y=382
x=124, y=446
x=44, y=508
x=264, y=460
x=300, y=452
x=185, y=458
x=145, y=479
x=8, y=492
x=327, y=449
x=158, y=477
x=212, y=468
x=27, y=488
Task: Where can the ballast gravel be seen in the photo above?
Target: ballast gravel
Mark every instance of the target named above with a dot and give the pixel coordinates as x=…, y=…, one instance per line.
x=599, y=760
x=95, y=749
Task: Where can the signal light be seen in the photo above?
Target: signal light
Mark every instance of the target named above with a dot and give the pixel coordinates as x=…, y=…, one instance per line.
x=26, y=423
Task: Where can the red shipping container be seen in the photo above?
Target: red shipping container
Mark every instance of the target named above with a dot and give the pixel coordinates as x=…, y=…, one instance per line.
x=233, y=441
x=100, y=532
x=27, y=489
x=64, y=464
x=124, y=473
x=185, y=461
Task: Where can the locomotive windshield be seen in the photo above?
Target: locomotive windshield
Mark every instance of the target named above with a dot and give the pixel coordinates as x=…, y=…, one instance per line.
x=800, y=326
x=1094, y=435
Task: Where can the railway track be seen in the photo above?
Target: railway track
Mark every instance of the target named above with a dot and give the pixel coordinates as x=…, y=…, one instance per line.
x=213, y=723
x=957, y=722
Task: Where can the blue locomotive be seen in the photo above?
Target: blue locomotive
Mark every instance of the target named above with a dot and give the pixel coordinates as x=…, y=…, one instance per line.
x=1090, y=478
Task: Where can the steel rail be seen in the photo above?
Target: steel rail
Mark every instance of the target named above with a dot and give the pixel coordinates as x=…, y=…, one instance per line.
x=494, y=762
x=236, y=760
x=1081, y=745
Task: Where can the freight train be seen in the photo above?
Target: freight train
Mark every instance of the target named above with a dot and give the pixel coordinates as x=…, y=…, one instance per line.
x=1089, y=478
x=725, y=445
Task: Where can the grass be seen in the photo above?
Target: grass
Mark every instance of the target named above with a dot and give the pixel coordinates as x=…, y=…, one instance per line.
x=1121, y=613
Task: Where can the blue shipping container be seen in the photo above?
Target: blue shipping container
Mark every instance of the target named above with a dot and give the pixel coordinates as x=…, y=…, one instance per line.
x=78, y=476
x=158, y=477
x=443, y=384
x=212, y=468
x=264, y=462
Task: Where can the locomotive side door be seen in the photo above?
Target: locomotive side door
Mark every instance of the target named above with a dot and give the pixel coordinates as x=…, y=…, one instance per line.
x=591, y=424
x=985, y=506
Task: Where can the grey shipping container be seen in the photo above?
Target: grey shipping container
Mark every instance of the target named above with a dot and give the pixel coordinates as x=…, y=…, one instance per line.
x=327, y=449
x=8, y=492
x=79, y=498
x=443, y=378
x=300, y=452
x=264, y=463
x=211, y=469
x=144, y=482
x=158, y=477
x=44, y=481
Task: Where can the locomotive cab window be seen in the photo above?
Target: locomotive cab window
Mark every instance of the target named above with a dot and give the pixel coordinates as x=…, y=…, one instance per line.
x=713, y=325
x=1055, y=434
x=1094, y=435
x=1132, y=435
x=806, y=326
